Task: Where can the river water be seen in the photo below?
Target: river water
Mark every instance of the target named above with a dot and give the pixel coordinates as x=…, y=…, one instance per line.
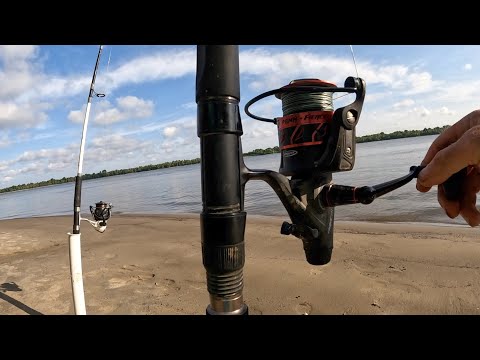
x=177, y=190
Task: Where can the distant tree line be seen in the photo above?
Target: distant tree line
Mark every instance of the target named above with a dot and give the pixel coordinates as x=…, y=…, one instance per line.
x=266, y=151
x=401, y=134
x=368, y=138
x=256, y=152
x=100, y=174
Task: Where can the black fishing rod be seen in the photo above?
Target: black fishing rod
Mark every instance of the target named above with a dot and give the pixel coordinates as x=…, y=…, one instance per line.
x=316, y=140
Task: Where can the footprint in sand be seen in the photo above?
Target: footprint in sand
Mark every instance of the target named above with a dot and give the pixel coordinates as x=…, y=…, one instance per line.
x=8, y=270
x=303, y=308
x=110, y=256
x=172, y=284
x=115, y=283
x=197, y=285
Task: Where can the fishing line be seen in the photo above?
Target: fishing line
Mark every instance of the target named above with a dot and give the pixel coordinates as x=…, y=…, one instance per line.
x=302, y=101
x=104, y=128
x=108, y=63
x=356, y=70
x=354, y=62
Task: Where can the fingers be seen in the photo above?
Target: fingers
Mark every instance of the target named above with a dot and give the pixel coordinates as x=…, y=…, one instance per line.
x=449, y=136
x=446, y=162
x=422, y=188
x=452, y=208
x=468, y=208
x=452, y=134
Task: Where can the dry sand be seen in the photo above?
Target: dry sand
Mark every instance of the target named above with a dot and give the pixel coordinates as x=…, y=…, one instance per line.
x=153, y=265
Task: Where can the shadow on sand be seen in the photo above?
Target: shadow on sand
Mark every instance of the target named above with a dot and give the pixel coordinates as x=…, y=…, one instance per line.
x=11, y=286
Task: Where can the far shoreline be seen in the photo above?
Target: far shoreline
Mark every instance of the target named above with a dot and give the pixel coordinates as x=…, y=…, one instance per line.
x=255, y=218
x=119, y=172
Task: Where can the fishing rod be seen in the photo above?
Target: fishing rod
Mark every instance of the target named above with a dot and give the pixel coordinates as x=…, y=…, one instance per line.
x=101, y=212
x=316, y=140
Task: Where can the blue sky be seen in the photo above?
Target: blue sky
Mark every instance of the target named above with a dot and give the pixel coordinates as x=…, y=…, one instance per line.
x=149, y=113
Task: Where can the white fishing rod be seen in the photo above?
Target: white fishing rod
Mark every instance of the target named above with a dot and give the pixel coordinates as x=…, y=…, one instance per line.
x=101, y=212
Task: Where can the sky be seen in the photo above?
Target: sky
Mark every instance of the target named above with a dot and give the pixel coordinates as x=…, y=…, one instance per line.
x=148, y=115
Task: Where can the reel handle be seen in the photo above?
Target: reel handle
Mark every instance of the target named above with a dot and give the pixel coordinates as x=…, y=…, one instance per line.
x=335, y=195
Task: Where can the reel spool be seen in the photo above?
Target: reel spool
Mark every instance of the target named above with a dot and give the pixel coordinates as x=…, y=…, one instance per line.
x=304, y=127
x=314, y=138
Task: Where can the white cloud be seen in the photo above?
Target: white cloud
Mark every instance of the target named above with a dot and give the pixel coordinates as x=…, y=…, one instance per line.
x=113, y=147
x=128, y=107
x=169, y=131
x=142, y=108
x=189, y=105
x=445, y=111
x=267, y=108
x=30, y=168
x=175, y=144
x=4, y=165
x=260, y=64
x=19, y=72
x=4, y=140
x=58, y=165
x=374, y=97
x=27, y=83
x=188, y=123
x=77, y=116
x=25, y=115
x=14, y=83
x=422, y=111
x=258, y=134
x=404, y=103
x=415, y=118
x=110, y=116
x=100, y=152
x=465, y=91
x=38, y=161
x=158, y=66
x=42, y=154
x=468, y=67
x=11, y=55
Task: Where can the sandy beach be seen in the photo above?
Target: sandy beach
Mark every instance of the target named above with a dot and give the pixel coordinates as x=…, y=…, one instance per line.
x=153, y=265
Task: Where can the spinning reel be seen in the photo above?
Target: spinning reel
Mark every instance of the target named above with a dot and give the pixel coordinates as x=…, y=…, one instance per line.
x=315, y=141
x=101, y=212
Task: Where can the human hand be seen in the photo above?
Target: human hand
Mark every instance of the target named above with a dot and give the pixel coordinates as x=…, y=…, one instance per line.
x=454, y=149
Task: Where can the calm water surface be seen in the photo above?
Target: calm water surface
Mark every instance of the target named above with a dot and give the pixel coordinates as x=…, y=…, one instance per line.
x=177, y=190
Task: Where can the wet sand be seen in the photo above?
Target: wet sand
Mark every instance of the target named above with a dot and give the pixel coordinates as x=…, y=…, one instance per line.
x=153, y=265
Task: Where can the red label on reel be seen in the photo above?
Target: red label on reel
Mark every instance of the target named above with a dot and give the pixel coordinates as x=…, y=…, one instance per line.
x=303, y=129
